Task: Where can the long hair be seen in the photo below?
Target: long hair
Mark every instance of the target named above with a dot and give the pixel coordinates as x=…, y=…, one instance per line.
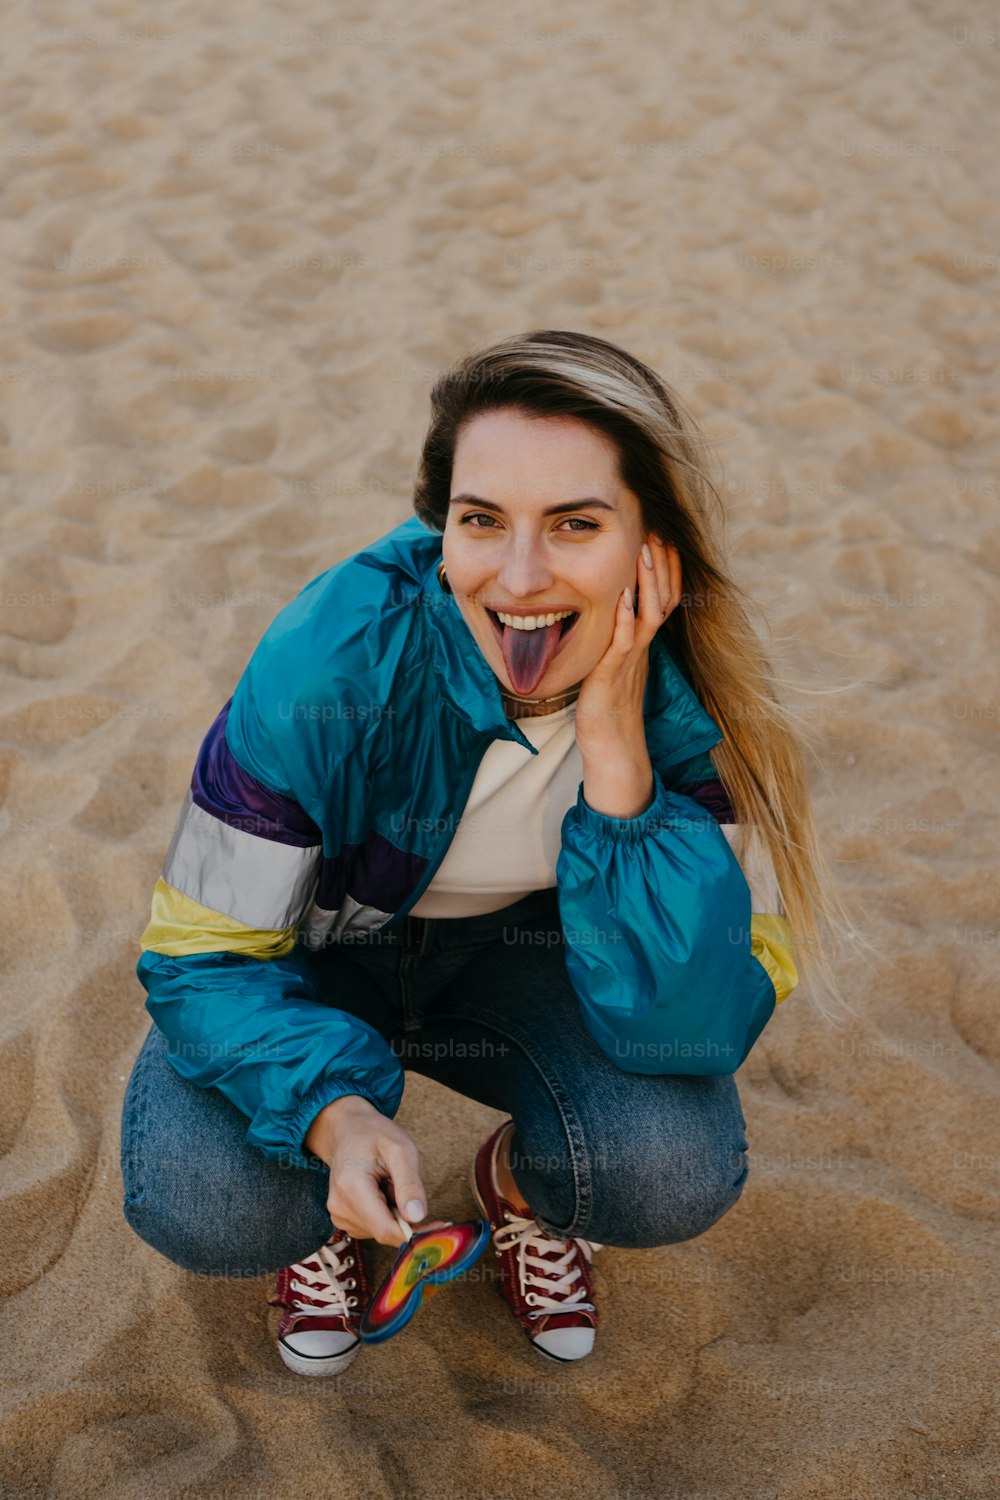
x=662, y=460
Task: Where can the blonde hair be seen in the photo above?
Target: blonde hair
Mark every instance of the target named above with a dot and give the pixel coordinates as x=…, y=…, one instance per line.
x=663, y=461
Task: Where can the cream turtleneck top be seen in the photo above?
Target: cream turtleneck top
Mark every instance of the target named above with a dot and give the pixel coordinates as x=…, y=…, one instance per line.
x=508, y=838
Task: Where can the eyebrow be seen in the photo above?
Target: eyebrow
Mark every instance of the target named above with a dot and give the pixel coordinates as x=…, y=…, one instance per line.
x=553, y=510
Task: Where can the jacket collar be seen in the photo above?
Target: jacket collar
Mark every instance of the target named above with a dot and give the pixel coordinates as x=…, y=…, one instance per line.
x=677, y=726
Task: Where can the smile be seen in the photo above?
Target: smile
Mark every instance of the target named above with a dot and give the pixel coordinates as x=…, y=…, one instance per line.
x=498, y=619
x=532, y=622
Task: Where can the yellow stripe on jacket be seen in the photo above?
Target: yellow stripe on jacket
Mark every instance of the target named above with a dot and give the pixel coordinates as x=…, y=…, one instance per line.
x=179, y=926
x=770, y=944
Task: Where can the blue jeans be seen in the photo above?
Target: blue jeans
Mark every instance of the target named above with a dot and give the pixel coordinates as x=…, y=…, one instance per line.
x=484, y=1006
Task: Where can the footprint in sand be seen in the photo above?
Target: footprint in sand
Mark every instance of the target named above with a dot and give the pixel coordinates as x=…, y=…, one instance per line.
x=50, y=722
x=943, y=427
x=130, y=789
x=81, y=335
x=246, y=445
x=35, y=601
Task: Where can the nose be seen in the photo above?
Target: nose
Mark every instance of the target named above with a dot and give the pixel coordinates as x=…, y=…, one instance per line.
x=523, y=572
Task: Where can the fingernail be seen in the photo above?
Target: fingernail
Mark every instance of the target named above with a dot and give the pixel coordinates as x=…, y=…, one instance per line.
x=403, y=1227
x=647, y=556
x=414, y=1210
x=628, y=598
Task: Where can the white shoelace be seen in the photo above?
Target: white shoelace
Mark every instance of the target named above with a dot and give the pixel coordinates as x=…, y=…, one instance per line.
x=527, y=1235
x=333, y=1295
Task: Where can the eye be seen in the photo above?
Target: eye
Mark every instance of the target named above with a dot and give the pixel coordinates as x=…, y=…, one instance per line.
x=481, y=515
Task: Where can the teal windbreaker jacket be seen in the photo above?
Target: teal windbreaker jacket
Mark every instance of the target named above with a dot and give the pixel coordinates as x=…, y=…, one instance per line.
x=324, y=798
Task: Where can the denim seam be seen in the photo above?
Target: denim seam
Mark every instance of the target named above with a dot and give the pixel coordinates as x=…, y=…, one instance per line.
x=570, y=1122
x=138, y=1117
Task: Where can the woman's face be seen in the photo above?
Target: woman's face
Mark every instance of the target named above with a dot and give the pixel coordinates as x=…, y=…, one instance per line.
x=502, y=552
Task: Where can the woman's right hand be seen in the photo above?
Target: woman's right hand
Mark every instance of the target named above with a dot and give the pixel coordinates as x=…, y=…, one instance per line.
x=363, y=1148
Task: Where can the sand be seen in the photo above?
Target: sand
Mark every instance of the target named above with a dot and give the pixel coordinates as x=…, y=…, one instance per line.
x=238, y=250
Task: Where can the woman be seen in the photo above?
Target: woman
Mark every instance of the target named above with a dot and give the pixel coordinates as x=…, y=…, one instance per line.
x=505, y=798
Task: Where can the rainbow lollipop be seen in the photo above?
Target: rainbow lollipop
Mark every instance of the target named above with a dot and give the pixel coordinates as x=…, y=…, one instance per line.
x=431, y=1258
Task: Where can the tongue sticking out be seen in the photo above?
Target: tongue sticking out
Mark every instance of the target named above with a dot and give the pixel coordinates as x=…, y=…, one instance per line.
x=527, y=653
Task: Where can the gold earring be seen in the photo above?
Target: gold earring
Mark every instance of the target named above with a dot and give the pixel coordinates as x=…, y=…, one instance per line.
x=443, y=578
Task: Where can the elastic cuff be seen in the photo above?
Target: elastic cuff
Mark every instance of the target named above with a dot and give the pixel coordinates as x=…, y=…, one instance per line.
x=626, y=830
x=323, y=1094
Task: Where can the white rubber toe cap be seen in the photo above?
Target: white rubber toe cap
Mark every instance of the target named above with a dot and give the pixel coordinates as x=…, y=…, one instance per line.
x=320, y=1342
x=565, y=1343
x=318, y=1351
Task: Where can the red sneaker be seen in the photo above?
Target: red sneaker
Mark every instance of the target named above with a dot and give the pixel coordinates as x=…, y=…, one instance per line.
x=546, y=1281
x=325, y=1298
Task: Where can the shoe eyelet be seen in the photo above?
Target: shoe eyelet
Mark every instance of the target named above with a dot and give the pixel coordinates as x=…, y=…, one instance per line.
x=349, y=1261
x=352, y=1282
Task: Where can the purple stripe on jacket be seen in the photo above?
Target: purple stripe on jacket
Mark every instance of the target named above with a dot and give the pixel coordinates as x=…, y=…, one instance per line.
x=710, y=795
x=374, y=873
x=221, y=787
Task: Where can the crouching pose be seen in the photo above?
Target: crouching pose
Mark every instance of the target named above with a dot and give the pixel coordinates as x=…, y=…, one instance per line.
x=505, y=798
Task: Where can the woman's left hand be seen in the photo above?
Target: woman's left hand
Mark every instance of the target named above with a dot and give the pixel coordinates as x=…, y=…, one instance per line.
x=610, y=731
x=609, y=706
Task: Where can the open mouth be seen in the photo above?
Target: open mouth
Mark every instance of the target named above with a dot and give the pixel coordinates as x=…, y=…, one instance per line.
x=565, y=628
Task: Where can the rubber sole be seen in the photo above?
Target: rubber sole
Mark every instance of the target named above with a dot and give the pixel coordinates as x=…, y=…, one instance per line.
x=312, y=1364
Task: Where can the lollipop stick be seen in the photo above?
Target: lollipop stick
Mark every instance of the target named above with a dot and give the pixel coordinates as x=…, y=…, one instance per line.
x=407, y=1232
x=385, y=1187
